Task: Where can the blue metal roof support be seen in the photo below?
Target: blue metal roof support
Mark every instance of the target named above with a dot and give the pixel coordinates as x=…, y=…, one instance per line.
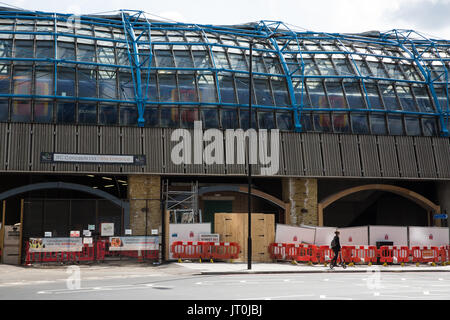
x=297, y=112
x=400, y=40
x=133, y=45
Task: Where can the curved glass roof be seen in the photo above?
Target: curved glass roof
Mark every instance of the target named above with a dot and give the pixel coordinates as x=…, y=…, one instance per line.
x=125, y=69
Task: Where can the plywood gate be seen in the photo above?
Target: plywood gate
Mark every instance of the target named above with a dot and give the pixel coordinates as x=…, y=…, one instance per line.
x=233, y=227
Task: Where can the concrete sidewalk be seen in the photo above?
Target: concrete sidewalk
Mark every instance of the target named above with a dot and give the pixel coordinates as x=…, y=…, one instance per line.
x=285, y=267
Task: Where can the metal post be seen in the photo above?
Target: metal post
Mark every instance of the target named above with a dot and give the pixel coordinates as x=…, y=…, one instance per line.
x=249, y=244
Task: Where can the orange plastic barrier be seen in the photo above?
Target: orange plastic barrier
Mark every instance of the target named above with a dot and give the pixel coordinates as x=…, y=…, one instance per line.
x=325, y=254
x=359, y=254
x=371, y=254
x=416, y=254
x=277, y=251
x=400, y=255
x=87, y=254
x=430, y=254
x=187, y=250
x=221, y=250
x=347, y=253
x=386, y=254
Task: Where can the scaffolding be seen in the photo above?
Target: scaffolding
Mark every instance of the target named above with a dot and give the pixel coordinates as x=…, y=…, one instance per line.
x=182, y=205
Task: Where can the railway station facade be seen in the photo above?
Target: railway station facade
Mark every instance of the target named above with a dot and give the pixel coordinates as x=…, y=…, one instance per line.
x=95, y=110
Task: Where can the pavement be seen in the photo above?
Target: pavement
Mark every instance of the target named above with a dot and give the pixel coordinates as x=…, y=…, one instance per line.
x=287, y=267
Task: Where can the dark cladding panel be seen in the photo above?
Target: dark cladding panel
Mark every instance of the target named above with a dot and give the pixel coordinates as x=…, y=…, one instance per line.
x=42, y=142
x=425, y=157
x=406, y=156
x=388, y=156
x=88, y=143
x=19, y=147
x=131, y=144
x=331, y=155
x=369, y=156
x=350, y=155
x=442, y=154
x=110, y=140
x=3, y=144
x=292, y=150
x=153, y=150
x=66, y=142
x=312, y=153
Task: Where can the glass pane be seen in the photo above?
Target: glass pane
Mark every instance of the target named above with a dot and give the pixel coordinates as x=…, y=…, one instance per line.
x=341, y=123
x=151, y=116
x=238, y=62
x=107, y=84
x=244, y=117
x=86, y=53
x=3, y=110
x=243, y=90
x=87, y=83
x=22, y=81
x=395, y=125
x=354, y=96
x=106, y=55
x=128, y=116
x=281, y=94
x=201, y=59
x=322, y=122
x=65, y=113
x=87, y=113
x=44, y=82
x=266, y=120
x=343, y=67
x=207, y=88
x=429, y=127
x=273, y=65
x=374, y=97
x=317, y=94
x=423, y=99
x=188, y=116
x=126, y=86
x=360, y=124
x=66, y=51
x=310, y=68
x=21, y=111
x=24, y=49
x=306, y=122
x=325, y=67
x=4, y=78
x=389, y=97
x=378, y=70
x=45, y=50
x=210, y=118
x=66, y=82
x=108, y=114
x=169, y=117
x=229, y=118
x=5, y=48
x=335, y=95
x=221, y=60
x=378, y=124
x=188, y=91
x=227, y=89
x=164, y=59
x=149, y=92
x=183, y=59
x=412, y=126
x=284, y=121
x=167, y=87
x=43, y=112
x=263, y=94
x=406, y=98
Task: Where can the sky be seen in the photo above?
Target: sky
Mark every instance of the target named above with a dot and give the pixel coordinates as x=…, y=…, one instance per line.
x=428, y=17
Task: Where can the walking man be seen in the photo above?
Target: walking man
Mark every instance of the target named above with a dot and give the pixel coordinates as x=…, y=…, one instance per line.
x=336, y=247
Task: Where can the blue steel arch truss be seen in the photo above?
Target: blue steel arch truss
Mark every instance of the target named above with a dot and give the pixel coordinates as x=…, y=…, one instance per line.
x=431, y=57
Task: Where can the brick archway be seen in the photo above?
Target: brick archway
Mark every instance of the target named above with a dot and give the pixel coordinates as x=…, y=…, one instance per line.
x=409, y=194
